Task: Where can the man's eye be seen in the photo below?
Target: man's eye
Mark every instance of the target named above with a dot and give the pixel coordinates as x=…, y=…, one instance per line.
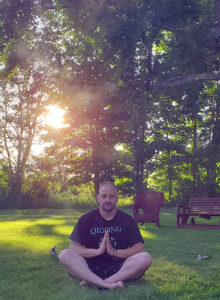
x=103, y=196
x=112, y=196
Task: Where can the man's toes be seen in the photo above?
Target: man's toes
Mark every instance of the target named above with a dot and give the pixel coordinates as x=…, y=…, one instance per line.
x=83, y=283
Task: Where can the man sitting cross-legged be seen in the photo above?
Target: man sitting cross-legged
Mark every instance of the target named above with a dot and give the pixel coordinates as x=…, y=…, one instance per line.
x=106, y=246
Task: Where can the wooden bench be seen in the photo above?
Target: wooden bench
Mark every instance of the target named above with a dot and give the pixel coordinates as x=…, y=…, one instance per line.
x=201, y=207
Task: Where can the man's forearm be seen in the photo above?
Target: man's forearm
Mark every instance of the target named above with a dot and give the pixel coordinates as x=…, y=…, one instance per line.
x=84, y=252
x=125, y=253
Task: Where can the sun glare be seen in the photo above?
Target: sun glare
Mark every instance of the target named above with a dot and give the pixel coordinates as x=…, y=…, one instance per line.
x=54, y=117
x=119, y=147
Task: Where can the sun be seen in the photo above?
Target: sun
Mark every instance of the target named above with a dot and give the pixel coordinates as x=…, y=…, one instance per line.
x=54, y=117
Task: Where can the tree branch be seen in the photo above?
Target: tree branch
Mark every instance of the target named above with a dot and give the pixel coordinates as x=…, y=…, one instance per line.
x=189, y=79
x=217, y=11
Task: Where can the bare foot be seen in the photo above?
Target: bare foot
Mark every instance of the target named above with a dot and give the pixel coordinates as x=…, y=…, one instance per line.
x=105, y=285
x=88, y=284
x=83, y=283
x=118, y=284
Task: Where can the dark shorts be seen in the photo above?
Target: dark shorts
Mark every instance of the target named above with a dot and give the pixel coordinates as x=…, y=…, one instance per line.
x=106, y=268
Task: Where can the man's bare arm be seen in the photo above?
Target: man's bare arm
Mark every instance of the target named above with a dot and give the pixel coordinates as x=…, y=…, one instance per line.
x=122, y=253
x=86, y=252
x=125, y=253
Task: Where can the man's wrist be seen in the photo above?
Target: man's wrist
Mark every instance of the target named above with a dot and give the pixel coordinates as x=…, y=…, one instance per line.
x=99, y=251
x=115, y=252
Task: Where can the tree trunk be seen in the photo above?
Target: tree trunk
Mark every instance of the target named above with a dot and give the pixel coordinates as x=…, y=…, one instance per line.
x=139, y=157
x=213, y=155
x=194, y=162
x=170, y=176
x=95, y=158
x=16, y=182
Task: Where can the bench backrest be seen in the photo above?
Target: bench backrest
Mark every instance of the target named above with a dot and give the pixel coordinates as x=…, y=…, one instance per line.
x=204, y=205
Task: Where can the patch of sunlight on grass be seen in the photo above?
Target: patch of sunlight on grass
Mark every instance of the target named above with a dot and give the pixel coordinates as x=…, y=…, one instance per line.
x=29, y=272
x=148, y=235
x=33, y=227
x=217, y=246
x=34, y=235
x=64, y=230
x=32, y=244
x=174, y=278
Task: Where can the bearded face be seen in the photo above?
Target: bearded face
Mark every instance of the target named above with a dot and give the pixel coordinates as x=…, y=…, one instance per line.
x=107, y=198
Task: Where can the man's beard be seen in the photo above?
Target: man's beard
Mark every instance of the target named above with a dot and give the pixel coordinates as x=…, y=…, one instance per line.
x=108, y=207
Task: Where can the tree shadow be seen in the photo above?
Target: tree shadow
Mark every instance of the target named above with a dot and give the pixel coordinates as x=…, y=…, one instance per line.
x=174, y=254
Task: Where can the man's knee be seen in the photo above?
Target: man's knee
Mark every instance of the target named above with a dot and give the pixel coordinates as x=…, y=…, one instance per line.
x=143, y=259
x=62, y=256
x=68, y=256
x=65, y=256
x=146, y=259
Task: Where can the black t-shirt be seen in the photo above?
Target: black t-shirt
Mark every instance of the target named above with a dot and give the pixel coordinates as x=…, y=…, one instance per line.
x=90, y=228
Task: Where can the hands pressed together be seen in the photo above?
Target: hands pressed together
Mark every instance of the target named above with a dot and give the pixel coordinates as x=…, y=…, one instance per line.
x=105, y=246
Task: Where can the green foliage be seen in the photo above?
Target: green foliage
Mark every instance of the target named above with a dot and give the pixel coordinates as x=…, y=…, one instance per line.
x=4, y=187
x=4, y=176
x=74, y=197
x=102, y=63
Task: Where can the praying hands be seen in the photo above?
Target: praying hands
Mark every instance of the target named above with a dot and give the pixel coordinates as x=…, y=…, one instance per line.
x=105, y=246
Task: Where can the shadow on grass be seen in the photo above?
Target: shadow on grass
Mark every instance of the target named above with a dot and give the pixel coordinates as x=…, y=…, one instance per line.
x=29, y=272
x=11, y=215
x=38, y=276
x=28, y=275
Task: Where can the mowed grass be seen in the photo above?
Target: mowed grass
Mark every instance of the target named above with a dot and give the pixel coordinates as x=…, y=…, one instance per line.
x=27, y=270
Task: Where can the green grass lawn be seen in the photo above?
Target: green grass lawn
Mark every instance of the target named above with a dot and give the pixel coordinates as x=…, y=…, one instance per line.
x=27, y=270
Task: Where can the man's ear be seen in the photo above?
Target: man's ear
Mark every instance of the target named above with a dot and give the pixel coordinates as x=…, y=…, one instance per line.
x=97, y=198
